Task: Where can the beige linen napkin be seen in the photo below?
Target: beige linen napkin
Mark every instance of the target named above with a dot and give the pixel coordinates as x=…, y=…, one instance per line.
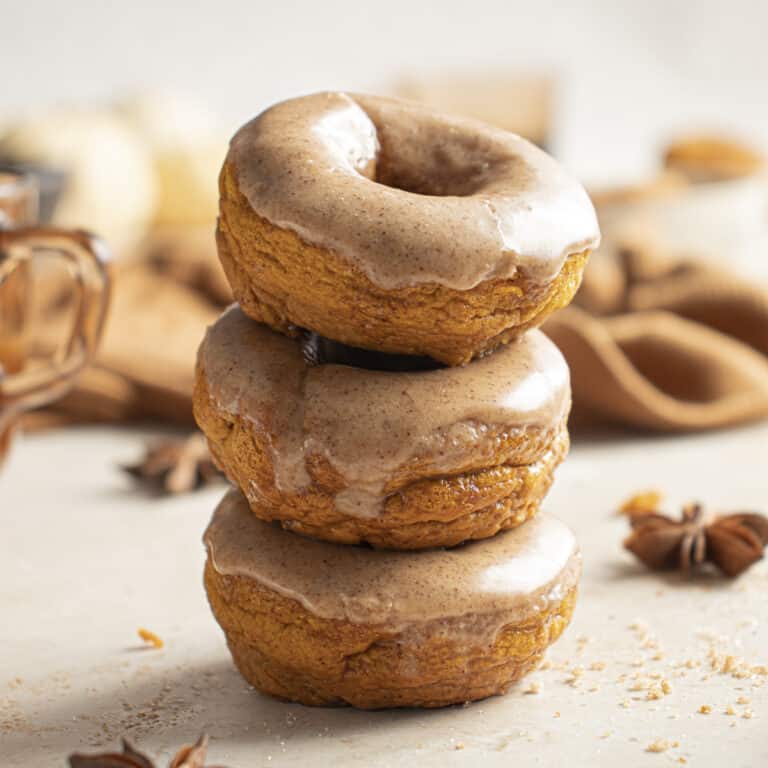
x=145, y=365
x=665, y=344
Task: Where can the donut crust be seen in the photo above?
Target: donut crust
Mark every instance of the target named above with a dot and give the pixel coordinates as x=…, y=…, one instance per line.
x=265, y=263
x=285, y=651
x=421, y=510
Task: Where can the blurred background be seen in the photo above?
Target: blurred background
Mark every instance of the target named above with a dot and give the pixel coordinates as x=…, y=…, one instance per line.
x=630, y=74
x=124, y=111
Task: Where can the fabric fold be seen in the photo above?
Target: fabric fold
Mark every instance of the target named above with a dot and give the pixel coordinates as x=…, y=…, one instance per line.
x=685, y=347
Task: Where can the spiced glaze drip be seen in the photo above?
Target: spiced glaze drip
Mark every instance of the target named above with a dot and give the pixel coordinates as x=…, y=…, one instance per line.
x=504, y=579
x=409, y=195
x=369, y=423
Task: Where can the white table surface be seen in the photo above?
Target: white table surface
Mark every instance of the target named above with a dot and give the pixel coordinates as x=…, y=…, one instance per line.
x=85, y=560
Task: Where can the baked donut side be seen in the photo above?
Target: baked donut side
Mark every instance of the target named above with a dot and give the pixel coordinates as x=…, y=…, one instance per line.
x=386, y=226
x=370, y=659
x=264, y=264
x=419, y=512
x=282, y=650
x=467, y=481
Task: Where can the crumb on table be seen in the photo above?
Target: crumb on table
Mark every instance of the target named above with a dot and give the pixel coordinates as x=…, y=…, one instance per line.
x=660, y=745
x=645, y=501
x=150, y=637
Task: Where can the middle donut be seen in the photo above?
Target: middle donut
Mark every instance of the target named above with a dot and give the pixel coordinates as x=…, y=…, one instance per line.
x=356, y=446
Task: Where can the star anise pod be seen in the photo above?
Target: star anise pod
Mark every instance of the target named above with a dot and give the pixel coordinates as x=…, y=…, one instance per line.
x=190, y=756
x=732, y=542
x=176, y=465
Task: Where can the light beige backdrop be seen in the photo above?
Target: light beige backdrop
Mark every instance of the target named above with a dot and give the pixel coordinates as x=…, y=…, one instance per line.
x=634, y=72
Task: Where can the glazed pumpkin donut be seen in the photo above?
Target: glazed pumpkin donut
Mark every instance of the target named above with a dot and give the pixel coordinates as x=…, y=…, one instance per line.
x=384, y=225
x=400, y=459
x=325, y=624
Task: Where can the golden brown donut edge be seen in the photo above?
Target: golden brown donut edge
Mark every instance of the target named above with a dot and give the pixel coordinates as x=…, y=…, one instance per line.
x=286, y=651
x=265, y=263
x=422, y=509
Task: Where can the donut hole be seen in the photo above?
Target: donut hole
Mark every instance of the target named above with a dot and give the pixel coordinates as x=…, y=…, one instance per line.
x=442, y=163
x=452, y=167
x=450, y=181
x=319, y=350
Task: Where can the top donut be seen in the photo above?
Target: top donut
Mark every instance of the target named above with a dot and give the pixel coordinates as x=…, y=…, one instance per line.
x=385, y=225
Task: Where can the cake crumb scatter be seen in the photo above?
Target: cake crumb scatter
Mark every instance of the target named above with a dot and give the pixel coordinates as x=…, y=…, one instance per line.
x=150, y=637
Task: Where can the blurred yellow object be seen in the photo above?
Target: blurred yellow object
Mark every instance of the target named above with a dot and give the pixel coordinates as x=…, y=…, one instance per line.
x=645, y=502
x=711, y=158
x=110, y=185
x=150, y=637
x=187, y=151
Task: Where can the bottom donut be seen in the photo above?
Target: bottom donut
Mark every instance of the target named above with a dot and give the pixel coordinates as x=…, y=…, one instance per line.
x=328, y=625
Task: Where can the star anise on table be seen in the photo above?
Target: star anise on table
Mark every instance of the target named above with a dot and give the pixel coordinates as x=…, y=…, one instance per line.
x=190, y=756
x=176, y=465
x=732, y=542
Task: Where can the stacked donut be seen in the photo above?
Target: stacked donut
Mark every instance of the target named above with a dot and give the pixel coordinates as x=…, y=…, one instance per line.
x=383, y=402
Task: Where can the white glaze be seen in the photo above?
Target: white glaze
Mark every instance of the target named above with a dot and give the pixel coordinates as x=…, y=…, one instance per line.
x=504, y=579
x=368, y=424
x=409, y=195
